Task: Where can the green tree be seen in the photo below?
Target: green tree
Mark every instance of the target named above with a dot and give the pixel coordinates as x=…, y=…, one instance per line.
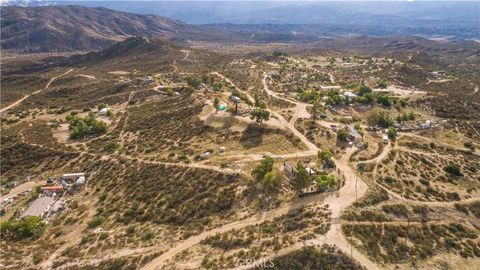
x=315, y=110
x=110, y=147
x=217, y=87
x=392, y=133
x=362, y=90
x=342, y=135
x=265, y=166
x=308, y=95
x=453, y=169
x=260, y=115
x=326, y=181
x=411, y=116
x=269, y=181
x=27, y=227
x=302, y=179
x=384, y=100
x=325, y=155
x=258, y=102
x=382, y=83
x=380, y=118
x=403, y=103
x=83, y=126
x=193, y=82
x=216, y=103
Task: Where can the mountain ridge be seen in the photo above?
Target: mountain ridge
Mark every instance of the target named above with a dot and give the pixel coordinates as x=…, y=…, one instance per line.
x=77, y=28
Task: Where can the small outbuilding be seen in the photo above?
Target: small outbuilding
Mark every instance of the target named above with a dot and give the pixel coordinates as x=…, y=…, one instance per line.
x=80, y=181
x=103, y=111
x=72, y=176
x=349, y=94
x=290, y=169
x=52, y=189
x=356, y=136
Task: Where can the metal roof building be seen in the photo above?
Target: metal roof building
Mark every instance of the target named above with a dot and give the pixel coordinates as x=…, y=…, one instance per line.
x=38, y=207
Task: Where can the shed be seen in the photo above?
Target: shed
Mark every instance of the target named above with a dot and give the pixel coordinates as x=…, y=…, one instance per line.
x=357, y=138
x=349, y=94
x=80, y=181
x=289, y=168
x=73, y=176
x=52, y=189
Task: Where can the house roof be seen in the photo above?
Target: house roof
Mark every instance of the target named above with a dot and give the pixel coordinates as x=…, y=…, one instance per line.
x=73, y=174
x=356, y=134
x=235, y=99
x=290, y=164
x=349, y=94
x=38, y=207
x=52, y=188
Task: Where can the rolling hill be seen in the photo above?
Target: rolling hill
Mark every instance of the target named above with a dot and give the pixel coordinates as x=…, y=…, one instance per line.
x=76, y=28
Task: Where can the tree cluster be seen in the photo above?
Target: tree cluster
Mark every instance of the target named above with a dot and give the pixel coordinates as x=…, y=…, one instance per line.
x=80, y=127
x=259, y=113
x=263, y=173
x=23, y=228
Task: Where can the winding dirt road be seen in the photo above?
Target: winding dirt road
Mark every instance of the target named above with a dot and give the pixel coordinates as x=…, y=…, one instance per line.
x=16, y=103
x=338, y=201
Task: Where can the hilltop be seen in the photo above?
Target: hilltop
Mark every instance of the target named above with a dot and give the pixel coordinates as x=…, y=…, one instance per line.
x=76, y=28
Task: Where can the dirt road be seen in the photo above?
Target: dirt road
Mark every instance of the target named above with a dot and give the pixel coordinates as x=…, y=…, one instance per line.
x=158, y=262
x=338, y=201
x=187, y=53
x=19, y=189
x=34, y=93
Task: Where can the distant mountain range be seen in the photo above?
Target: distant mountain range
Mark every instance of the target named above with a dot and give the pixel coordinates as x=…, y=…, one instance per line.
x=43, y=28
x=433, y=19
x=77, y=28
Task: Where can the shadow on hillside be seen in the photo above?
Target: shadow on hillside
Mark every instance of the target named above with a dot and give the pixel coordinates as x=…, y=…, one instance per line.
x=252, y=136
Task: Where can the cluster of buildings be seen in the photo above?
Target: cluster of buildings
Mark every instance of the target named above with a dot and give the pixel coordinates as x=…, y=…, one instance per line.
x=439, y=75
x=414, y=126
x=52, y=195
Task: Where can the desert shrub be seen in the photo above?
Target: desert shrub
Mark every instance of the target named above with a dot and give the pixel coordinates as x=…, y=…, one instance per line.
x=396, y=209
x=227, y=241
x=375, y=195
x=147, y=235
x=326, y=257
x=453, y=169
x=475, y=209
x=342, y=135
x=380, y=118
x=24, y=228
x=95, y=222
